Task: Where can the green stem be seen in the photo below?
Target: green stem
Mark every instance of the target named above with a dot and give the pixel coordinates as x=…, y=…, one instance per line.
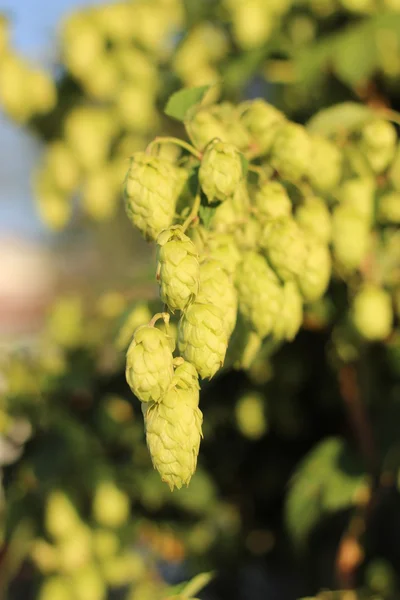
x=162, y=315
x=193, y=212
x=177, y=142
x=256, y=169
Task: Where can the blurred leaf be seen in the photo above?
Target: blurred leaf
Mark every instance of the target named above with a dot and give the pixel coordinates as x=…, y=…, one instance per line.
x=326, y=481
x=206, y=214
x=180, y=102
x=187, y=589
x=347, y=115
x=245, y=164
x=353, y=60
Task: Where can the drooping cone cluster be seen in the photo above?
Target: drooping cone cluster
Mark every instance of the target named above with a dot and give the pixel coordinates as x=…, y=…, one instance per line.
x=250, y=248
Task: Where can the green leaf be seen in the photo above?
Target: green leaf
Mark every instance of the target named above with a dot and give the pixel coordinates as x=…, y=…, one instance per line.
x=188, y=589
x=354, y=61
x=345, y=116
x=182, y=101
x=326, y=481
x=206, y=214
x=245, y=164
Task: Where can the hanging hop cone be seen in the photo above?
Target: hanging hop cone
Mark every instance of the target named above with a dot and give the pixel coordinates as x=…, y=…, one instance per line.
x=149, y=368
x=220, y=171
x=358, y=193
x=326, y=164
x=389, y=208
x=314, y=218
x=315, y=276
x=290, y=317
x=177, y=268
x=350, y=237
x=217, y=288
x=229, y=214
x=372, y=313
x=260, y=293
x=284, y=244
x=173, y=428
x=378, y=142
x=202, y=338
x=262, y=120
x=222, y=247
x=151, y=190
x=290, y=153
x=272, y=201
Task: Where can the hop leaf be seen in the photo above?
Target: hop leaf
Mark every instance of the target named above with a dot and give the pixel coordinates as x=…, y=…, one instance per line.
x=177, y=269
x=290, y=317
x=149, y=368
x=173, y=429
x=151, y=189
x=325, y=166
x=217, y=288
x=272, y=201
x=220, y=171
x=378, y=142
x=291, y=152
x=202, y=338
x=372, y=313
x=314, y=218
x=262, y=120
x=260, y=293
x=284, y=244
x=315, y=276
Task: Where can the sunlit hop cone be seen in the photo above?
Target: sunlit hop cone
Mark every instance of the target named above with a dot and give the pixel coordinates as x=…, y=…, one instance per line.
x=177, y=268
x=358, y=193
x=389, y=208
x=151, y=189
x=314, y=218
x=290, y=317
x=350, y=237
x=272, y=201
x=260, y=293
x=202, y=338
x=217, y=288
x=284, y=244
x=110, y=505
x=149, y=369
x=315, y=276
x=222, y=247
x=262, y=121
x=291, y=152
x=173, y=428
x=378, y=142
x=372, y=313
x=61, y=517
x=326, y=163
x=220, y=171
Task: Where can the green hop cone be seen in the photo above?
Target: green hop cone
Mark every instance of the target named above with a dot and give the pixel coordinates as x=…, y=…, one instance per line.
x=314, y=218
x=110, y=505
x=173, y=429
x=149, y=364
x=272, y=201
x=284, y=244
x=203, y=126
x=350, y=238
x=247, y=235
x=223, y=247
x=61, y=517
x=250, y=415
x=129, y=322
x=358, y=194
x=378, y=142
x=372, y=313
x=217, y=288
x=151, y=190
x=220, y=171
x=315, y=276
x=290, y=317
x=202, y=338
x=326, y=163
x=290, y=153
x=260, y=293
x=262, y=121
x=232, y=212
x=177, y=268
x=389, y=208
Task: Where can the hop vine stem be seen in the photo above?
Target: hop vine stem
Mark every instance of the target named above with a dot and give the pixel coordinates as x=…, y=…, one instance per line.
x=193, y=213
x=177, y=142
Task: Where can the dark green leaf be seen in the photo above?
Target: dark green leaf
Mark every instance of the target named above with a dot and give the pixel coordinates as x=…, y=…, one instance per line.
x=206, y=214
x=182, y=101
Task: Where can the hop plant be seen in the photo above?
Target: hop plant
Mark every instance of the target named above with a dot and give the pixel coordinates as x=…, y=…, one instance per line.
x=378, y=142
x=284, y=244
x=326, y=163
x=290, y=152
x=223, y=247
x=290, y=317
x=202, y=338
x=149, y=364
x=262, y=120
x=315, y=276
x=231, y=213
x=358, y=194
x=173, y=428
x=151, y=192
x=260, y=293
x=220, y=171
x=389, y=208
x=350, y=237
x=272, y=201
x=177, y=268
x=217, y=288
x=372, y=313
x=314, y=218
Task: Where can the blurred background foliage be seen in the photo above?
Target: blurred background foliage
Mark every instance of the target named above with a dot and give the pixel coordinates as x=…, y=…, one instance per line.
x=297, y=486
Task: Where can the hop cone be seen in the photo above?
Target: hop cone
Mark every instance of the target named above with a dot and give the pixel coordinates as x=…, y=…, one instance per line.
x=378, y=142
x=260, y=293
x=173, y=428
x=290, y=317
x=389, y=208
x=151, y=189
x=284, y=244
x=202, y=338
x=272, y=201
x=177, y=268
x=315, y=276
x=290, y=153
x=204, y=125
x=358, y=194
x=248, y=234
x=232, y=212
x=350, y=237
x=372, y=313
x=262, y=120
x=216, y=288
x=314, y=218
x=149, y=369
x=222, y=247
x=220, y=171
x=325, y=166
